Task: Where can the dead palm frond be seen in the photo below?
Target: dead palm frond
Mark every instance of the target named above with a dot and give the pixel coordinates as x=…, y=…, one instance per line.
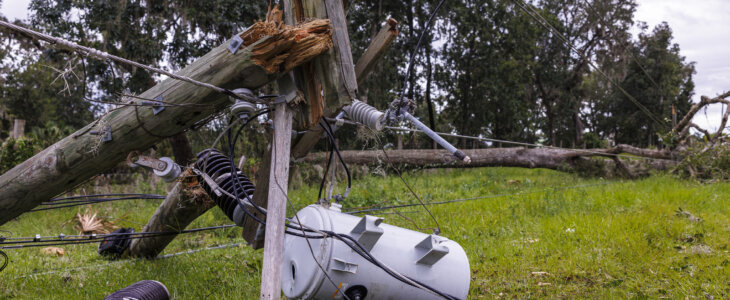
x=88, y=223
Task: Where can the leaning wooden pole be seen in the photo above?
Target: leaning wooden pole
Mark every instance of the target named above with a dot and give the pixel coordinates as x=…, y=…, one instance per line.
x=376, y=50
x=264, y=55
x=184, y=203
x=276, y=206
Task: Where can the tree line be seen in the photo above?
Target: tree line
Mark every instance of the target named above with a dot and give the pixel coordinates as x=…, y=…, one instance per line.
x=558, y=72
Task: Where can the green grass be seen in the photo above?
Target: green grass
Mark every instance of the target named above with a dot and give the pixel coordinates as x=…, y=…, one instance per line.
x=606, y=239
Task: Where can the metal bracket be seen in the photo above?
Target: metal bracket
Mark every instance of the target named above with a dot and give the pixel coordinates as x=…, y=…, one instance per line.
x=157, y=105
x=235, y=43
x=367, y=231
x=287, y=90
x=135, y=159
x=431, y=250
x=106, y=132
x=343, y=266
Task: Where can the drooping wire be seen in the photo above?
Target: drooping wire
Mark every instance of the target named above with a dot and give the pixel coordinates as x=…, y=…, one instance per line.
x=104, y=56
x=325, y=234
x=328, y=129
x=99, y=266
x=7, y=260
x=77, y=201
x=530, y=11
x=27, y=242
x=326, y=170
x=483, y=139
x=415, y=50
x=372, y=209
x=631, y=54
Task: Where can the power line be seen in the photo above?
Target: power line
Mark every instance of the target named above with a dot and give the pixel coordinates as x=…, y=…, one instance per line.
x=104, y=56
x=631, y=54
x=588, y=151
x=475, y=198
x=40, y=241
x=540, y=19
x=58, y=203
x=100, y=266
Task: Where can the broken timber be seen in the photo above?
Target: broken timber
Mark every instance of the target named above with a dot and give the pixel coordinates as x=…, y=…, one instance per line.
x=327, y=83
x=267, y=54
x=376, y=50
x=363, y=68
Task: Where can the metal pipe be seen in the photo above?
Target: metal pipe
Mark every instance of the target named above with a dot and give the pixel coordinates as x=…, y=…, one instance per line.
x=430, y=133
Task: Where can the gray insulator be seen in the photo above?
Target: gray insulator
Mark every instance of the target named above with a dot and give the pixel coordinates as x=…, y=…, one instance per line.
x=360, y=112
x=242, y=108
x=142, y=290
x=171, y=172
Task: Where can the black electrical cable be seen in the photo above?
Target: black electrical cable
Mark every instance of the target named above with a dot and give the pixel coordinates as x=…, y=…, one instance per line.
x=27, y=242
x=415, y=50
x=366, y=254
x=7, y=260
x=330, y=133
x=71, y=203
x=62, y=202
x=326, y=170
x=103, y=195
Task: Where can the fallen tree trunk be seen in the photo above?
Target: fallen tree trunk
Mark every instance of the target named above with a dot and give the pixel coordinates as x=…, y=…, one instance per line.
x=628, y=149
x=269, y=51
x=549, y=158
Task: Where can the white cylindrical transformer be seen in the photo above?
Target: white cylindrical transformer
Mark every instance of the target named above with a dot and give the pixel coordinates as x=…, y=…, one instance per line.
x=432, y=260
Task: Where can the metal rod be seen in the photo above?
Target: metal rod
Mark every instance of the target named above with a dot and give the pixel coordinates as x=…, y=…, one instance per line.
x=430, y=133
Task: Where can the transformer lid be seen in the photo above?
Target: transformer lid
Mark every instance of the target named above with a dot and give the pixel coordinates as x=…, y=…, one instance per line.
x=301, y=277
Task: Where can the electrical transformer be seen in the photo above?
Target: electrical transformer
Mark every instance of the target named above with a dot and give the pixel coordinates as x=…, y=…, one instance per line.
x=427, y=259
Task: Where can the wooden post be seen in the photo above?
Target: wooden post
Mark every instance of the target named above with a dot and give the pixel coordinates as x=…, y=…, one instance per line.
x=328, y=81
x=253, y=232
x=18, y=128
x=107, y=141
x=276, y=207
x=363, y=68
x=376, y=50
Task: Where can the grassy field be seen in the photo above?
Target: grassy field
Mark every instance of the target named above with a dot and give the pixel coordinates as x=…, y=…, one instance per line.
x=542, y=238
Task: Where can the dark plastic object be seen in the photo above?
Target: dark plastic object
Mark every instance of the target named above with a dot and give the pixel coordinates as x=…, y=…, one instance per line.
x=114, y=246
x=142, y=290
x=357, y=292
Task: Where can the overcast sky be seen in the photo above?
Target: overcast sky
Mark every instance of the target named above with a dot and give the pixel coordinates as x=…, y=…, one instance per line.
x=700, y=28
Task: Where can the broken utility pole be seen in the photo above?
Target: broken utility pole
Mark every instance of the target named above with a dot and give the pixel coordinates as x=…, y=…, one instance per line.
x=267, y=52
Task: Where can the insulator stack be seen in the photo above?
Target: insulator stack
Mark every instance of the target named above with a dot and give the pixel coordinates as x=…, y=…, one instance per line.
x=361, y=112
x=229, y=178
x=142, y=290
